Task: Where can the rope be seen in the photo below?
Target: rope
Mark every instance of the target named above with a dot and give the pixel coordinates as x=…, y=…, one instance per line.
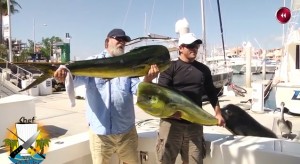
x=269, y=87
x=237, y=89
x=153, y=6
x=148, y=124
x=220, y=92
x=128, y=8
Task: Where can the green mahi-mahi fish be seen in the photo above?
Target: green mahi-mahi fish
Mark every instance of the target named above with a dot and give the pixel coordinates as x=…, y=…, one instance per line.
x=162, y=102
x=135, y=63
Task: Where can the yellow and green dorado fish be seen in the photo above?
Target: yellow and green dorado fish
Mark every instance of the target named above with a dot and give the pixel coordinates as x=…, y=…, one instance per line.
x=161, y=102
x=135, y=63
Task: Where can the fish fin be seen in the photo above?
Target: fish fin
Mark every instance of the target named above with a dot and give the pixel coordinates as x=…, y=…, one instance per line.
x=178, y=92
x=142, y=66
x=176, y=107
x=173, y=105
x=134, y=76
x=47, y=69
x=36, y=82
x=44, y=67
x=107, y=79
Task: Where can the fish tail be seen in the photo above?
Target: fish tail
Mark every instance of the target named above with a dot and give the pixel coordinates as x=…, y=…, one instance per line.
x=36, y=82
x=47, y=69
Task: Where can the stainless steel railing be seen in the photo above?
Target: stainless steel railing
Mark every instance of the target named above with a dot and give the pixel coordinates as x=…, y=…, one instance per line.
x=19, y=70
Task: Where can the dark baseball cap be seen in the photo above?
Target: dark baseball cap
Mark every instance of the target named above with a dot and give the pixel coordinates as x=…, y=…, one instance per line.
x=118, y=33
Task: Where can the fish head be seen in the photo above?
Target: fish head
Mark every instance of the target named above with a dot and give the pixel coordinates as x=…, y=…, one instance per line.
x=151, y=99
x=160, y=56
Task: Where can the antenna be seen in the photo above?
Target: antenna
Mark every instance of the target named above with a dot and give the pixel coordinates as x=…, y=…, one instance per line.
x=257, y=43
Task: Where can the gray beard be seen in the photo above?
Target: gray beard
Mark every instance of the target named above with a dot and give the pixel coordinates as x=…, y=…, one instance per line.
x=116, y=51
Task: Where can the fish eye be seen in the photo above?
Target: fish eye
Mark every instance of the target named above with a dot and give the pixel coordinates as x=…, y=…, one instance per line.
x=150, y=98
x=153, y=99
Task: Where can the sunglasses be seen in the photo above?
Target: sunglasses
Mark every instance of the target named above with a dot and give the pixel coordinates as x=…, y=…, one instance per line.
x=191, y=46
x=119, y=39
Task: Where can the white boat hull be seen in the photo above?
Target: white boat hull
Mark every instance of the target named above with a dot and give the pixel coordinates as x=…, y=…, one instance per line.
x=271, y=68
x=221, y=149
x=237, y=68
x=289, y=94
x=221, y=79
x=255, y=69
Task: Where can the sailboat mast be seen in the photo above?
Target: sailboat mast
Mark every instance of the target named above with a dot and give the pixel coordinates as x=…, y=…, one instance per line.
x=145, y=25
x=283, y=30
x=221, y=28
x=203, y=30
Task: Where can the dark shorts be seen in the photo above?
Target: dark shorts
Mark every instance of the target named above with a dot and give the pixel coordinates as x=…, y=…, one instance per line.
x=175, y=137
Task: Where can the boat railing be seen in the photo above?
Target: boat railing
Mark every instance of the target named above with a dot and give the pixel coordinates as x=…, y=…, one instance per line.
x=19, y=70
x=218, y=65
x=295, y=14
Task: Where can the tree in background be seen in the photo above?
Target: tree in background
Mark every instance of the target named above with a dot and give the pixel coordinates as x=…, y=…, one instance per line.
x=3, y=51
x=47, y=46
x=3, y=11
x=26, y=53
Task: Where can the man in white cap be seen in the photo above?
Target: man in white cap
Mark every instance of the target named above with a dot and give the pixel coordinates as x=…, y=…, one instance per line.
x=192, y=79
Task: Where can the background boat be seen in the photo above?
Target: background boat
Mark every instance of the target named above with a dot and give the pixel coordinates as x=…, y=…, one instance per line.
x=287, y=76
x=271, y=65
x=256, y=66
x=221, y=72
x=236, y=63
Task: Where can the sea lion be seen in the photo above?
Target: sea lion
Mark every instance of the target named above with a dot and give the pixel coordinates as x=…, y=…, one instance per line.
x=239, y=122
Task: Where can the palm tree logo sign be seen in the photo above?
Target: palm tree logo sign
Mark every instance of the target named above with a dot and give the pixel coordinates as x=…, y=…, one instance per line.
x=26, y=143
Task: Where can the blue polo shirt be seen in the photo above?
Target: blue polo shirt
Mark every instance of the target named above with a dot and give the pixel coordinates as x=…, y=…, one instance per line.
x=109, y=103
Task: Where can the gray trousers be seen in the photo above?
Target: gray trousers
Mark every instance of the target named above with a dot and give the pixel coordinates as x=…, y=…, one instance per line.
x=179, y=138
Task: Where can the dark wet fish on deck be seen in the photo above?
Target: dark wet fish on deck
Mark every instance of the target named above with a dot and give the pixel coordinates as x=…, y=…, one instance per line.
x=239, y=122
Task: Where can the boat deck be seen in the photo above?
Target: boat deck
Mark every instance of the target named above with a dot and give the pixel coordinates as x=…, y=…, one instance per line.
x=60, y=120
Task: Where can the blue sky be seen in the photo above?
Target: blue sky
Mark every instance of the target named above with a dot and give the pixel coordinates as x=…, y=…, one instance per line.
x=89, y=21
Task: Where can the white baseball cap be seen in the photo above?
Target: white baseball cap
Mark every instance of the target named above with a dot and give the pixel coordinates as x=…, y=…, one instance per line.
x=188, y=38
